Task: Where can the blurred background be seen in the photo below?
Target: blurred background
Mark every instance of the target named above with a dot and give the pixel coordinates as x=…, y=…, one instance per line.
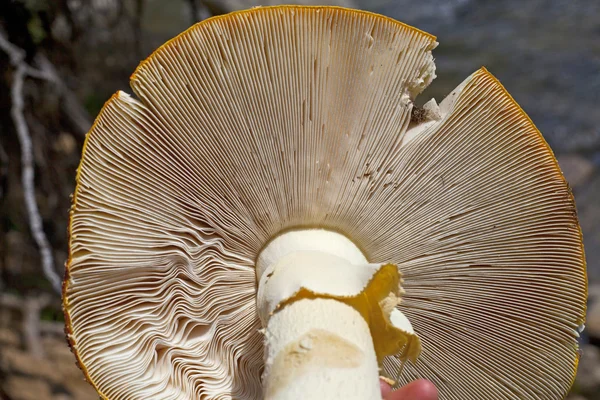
x=60, y=60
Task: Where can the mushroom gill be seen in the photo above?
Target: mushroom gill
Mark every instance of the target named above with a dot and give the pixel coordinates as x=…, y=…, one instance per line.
x=286, y=118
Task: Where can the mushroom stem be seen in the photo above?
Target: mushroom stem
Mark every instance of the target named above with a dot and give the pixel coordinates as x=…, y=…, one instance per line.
x=319, y=349
x=330, y=318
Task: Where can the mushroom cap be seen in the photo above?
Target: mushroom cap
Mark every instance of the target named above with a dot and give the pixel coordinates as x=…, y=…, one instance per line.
x=278, y=118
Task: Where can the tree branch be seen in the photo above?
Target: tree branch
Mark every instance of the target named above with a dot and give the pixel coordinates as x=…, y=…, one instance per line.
x=17, y=59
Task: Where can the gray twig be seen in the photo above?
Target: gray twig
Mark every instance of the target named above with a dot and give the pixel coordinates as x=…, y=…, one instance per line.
x=17, y=59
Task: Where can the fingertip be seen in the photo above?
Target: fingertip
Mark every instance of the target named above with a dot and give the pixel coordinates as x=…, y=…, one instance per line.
x=386, y=389
x=420, y=389
x=427, y=389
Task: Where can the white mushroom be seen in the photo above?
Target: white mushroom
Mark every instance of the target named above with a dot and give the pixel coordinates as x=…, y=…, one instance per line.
x=267, y=194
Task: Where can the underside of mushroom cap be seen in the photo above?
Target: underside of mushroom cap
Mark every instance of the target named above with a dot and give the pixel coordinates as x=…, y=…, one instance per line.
x=277, y=118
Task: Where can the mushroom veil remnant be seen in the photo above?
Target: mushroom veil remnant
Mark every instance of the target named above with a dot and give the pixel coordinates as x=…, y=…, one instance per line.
x=264, y=219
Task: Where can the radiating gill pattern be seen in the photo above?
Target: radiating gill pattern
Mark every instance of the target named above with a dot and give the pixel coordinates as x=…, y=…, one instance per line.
x=295, y=101
x=285, y=117
x=490, y=250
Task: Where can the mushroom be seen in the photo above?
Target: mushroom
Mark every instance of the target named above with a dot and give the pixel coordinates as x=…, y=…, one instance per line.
x=266, y=206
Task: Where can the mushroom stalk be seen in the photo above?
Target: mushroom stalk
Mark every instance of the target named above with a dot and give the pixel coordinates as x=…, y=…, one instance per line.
x=319, y=349
x=330, y=318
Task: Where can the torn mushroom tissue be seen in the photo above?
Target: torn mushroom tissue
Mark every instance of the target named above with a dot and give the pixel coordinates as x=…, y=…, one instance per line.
x=349, y=304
